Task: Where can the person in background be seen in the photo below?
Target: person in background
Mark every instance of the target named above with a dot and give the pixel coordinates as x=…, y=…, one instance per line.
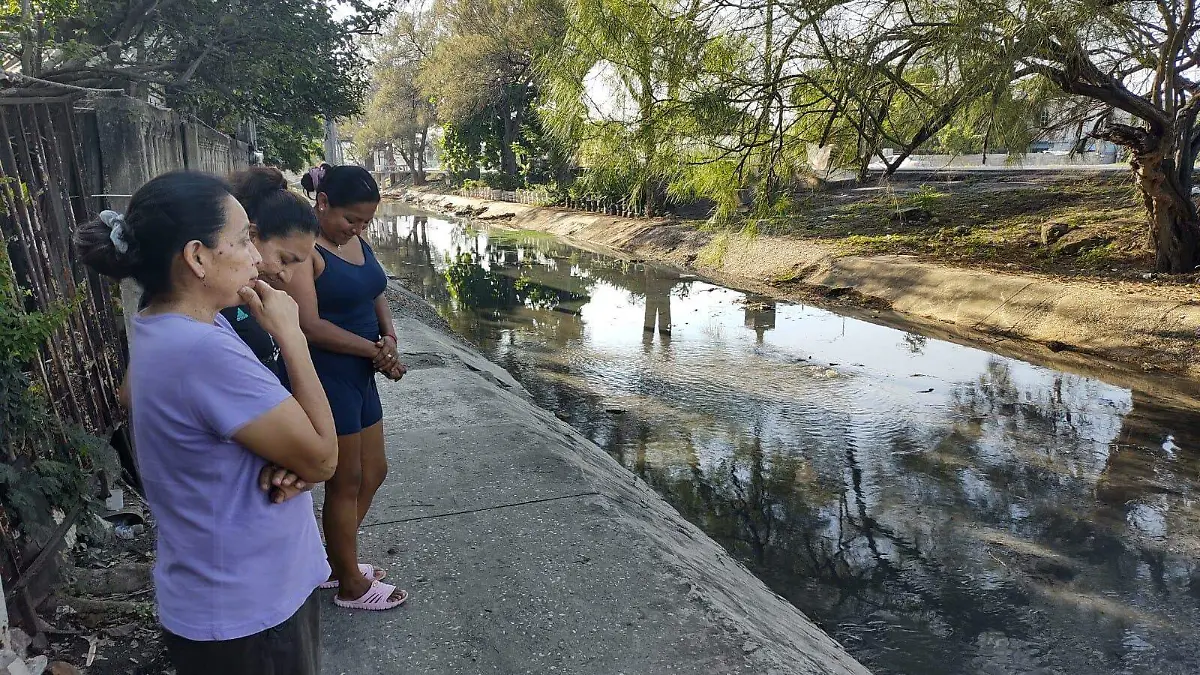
x=348, y=322
x=236, y=572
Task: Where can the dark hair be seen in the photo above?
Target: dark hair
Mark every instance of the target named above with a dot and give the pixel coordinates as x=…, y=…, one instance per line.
x=163, y=216
x=343, y=185
x=275, y=210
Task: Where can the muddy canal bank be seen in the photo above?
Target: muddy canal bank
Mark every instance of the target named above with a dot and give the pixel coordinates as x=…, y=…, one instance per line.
x=1130, y=328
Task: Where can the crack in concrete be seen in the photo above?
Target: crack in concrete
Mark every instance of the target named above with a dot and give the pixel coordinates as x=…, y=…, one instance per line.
x=485, y=508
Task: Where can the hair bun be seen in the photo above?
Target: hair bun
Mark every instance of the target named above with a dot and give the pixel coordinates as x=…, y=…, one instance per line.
x=252, y=186
x=314, y=178
x=343, y=185
x=273, y=177
x=95, y=246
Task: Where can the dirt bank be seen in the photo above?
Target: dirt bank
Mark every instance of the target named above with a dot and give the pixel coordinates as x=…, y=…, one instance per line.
x=1136, y=331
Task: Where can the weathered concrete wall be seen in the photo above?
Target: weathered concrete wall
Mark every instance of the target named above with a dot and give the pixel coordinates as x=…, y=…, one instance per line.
x=126, y=142
x=136, y=142
x=211, y=151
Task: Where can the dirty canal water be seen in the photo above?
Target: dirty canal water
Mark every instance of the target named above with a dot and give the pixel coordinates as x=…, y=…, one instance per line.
x=938, y=509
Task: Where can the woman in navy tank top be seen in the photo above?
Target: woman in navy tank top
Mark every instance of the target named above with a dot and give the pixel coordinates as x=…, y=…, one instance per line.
x=348, y=323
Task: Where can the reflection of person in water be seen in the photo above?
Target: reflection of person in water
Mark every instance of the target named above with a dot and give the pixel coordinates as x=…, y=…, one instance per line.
x=760, y=314
x=658, y=301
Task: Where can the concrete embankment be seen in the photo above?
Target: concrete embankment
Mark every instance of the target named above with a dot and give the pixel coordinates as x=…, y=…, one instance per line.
x=528, y=549
x=1126, y=331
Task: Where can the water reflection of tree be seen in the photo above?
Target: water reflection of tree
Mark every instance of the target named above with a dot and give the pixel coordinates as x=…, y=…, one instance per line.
x=915, y=342
x=916, y=541
x=474, y=287
x=1037, y=468
x=477, y=287
x=1148, y=476
x=897, y=532
x=402, y=245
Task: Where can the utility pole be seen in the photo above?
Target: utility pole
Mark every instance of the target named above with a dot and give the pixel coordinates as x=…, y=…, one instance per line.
x=5, y=636
x=333, y=146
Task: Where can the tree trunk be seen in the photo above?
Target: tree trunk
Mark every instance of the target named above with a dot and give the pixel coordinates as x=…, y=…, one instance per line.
x=1174, y=223
x=412, y=166
x=508, y=156
x=868, y=147
x=410, y=160
x=28, y=45
x=650, y=188
x=419, y=176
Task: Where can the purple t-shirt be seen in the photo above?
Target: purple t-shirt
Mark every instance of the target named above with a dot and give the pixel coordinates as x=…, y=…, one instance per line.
x=230, y=563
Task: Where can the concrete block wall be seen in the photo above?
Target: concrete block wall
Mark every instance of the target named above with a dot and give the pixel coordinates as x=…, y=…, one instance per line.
x=126, y=142
x=208, y=150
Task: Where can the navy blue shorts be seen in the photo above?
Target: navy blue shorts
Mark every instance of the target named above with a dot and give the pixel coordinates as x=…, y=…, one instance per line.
x=349, y=383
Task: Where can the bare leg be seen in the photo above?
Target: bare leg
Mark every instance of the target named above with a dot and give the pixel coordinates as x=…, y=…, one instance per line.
x=374, y=467
x=340, y=517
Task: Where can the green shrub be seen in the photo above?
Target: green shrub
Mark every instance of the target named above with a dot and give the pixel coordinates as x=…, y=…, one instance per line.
x=43, y=461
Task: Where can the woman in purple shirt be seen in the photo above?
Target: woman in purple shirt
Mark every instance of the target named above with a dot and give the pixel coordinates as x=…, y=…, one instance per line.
x=236, y=571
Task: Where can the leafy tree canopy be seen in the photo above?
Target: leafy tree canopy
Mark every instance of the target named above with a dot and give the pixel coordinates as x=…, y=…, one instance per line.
x=284, y=62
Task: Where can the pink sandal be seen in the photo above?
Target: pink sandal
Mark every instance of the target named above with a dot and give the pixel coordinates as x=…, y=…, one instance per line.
x=376, y=599
x=369, y=572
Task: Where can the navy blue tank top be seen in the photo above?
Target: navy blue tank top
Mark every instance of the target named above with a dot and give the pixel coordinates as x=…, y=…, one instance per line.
x=346, y=292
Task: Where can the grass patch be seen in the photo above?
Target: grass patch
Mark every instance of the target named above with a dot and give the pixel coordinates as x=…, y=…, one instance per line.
x=986, y=222
x=713, y=253
x=1103, y=257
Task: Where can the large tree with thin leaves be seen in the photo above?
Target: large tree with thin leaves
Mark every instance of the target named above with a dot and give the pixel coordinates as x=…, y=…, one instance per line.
x=284, y=62
x=398, y=117
x=619, y=88
x=482, y=73
x=1126, y=72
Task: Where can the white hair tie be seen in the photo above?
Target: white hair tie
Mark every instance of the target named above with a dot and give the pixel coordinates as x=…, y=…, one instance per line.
x=116, y=223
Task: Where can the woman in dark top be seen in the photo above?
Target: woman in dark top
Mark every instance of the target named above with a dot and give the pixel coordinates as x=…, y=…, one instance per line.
x=283, y=227
x=349, y=327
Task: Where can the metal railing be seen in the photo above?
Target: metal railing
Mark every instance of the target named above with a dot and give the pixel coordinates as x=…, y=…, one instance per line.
x=44, y=196
x=543, y=197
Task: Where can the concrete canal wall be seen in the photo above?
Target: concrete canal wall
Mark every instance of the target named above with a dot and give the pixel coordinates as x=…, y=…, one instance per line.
x=528, y=549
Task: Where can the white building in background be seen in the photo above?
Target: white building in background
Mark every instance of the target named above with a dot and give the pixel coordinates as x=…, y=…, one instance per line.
x=1067, y=139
